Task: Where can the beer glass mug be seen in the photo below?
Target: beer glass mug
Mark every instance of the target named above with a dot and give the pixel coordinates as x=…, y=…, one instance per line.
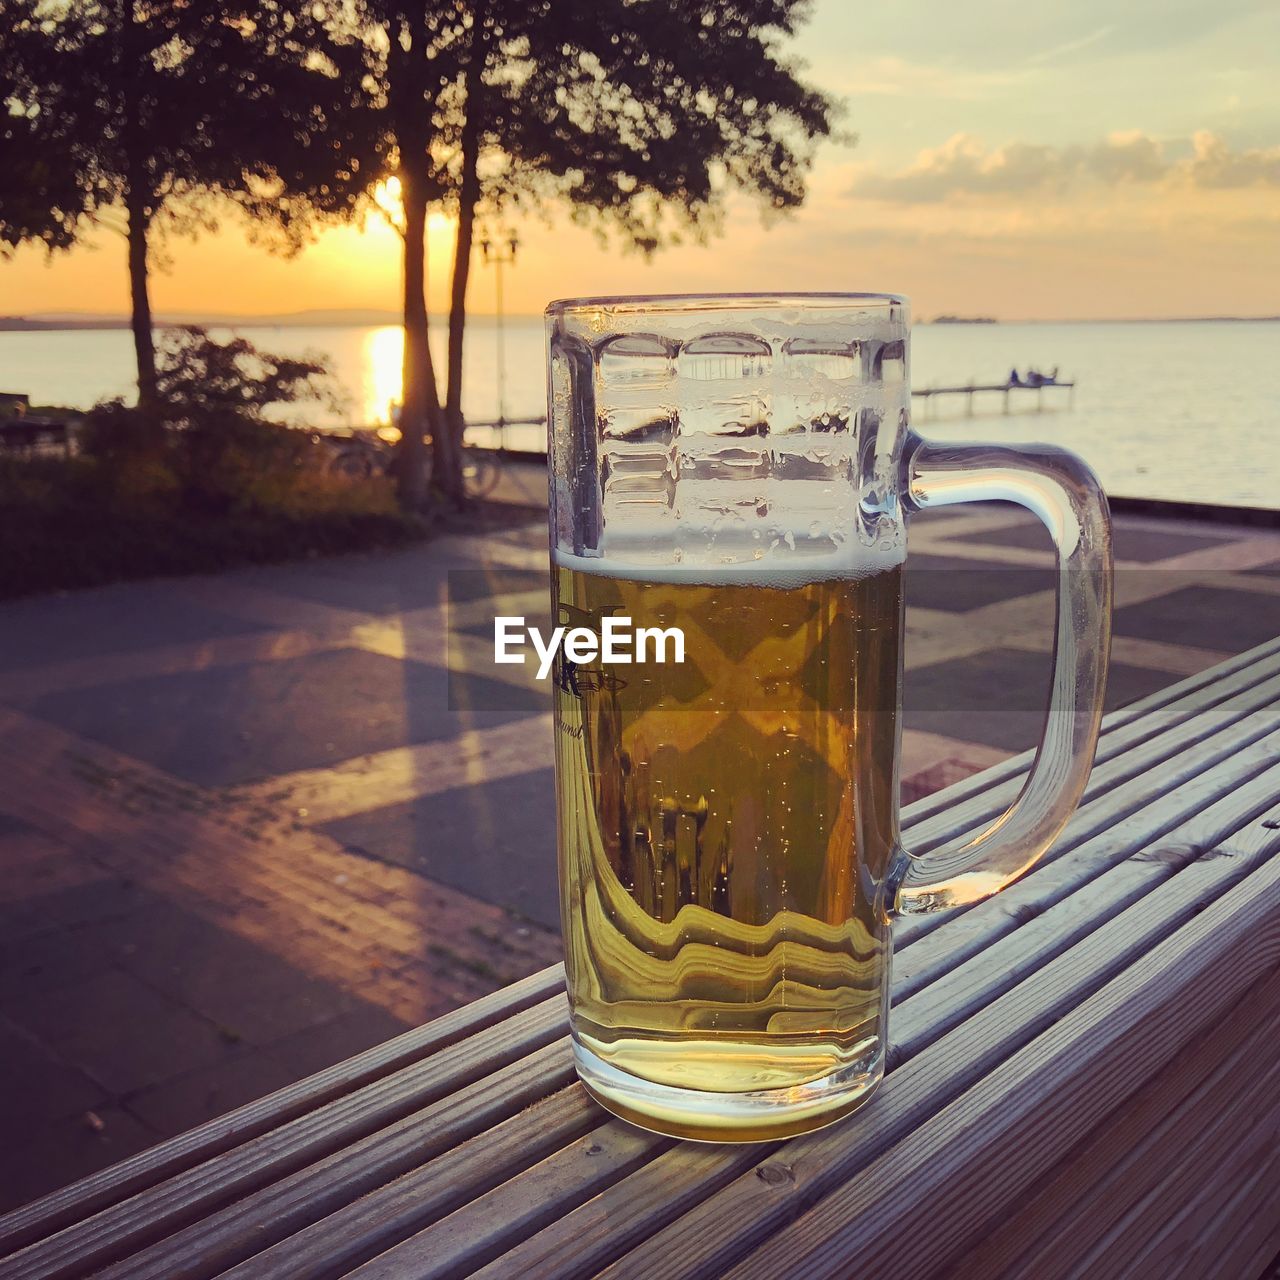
x=741, y=468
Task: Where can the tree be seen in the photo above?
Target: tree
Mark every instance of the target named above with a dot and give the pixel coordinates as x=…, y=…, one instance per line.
x=148, y=116
x=643, y=117
x=410, y=48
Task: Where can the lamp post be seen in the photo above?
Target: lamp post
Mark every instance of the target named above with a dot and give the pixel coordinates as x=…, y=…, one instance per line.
x=500, y=257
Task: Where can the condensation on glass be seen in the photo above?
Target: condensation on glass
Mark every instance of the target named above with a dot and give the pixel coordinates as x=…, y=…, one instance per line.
x=742, y=467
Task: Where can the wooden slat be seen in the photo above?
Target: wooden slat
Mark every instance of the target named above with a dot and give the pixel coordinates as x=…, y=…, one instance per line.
x=1097, y=1183
x=1248, y=1235
x=476, y=1234
x=425, y=1194
x=1182, y=1201
x=1231, y=1131
x=769, y=1193
x=1240, y=1193
x=1215, y=1129
x=1047, y=933
x=460, y=1146
x=185, y=1198
x=1159, y=742
x=1264, y=800
x=620, y=1217
x=98, y=1191
x=924, y=1203
x=1172, y=791
x=1035, y=945
x=1041, y=935
x=1181, y=734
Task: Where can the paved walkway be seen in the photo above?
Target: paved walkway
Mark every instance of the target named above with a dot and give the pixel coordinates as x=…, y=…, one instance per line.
x=249, y=825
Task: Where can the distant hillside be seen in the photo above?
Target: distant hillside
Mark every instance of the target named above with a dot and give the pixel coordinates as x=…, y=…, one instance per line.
x=316, y=318
x=90, y=320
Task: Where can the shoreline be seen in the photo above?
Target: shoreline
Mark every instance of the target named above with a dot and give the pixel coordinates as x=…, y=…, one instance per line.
x=378, y=320
x=1157, y=508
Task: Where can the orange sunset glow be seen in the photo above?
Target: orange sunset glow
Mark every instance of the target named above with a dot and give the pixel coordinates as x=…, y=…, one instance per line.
x=1072, y=163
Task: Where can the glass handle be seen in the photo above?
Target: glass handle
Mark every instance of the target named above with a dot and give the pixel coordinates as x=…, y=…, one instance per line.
x=1061, y=489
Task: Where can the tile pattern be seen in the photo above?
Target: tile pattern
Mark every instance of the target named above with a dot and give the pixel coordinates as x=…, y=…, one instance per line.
x=246, y=834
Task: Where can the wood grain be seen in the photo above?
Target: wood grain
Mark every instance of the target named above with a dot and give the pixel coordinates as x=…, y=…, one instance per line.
x=926, y=1202
x=87, y=1197
x=293, y=1203
x=921, y=1088
x=1034, y=945
x=366, y=1226
x=1082, y=1083
x=474, y=1235
x=1097, y=1183
x=187, y=1197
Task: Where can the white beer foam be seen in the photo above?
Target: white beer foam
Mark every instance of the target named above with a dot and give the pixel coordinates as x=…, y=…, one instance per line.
x=782, y=572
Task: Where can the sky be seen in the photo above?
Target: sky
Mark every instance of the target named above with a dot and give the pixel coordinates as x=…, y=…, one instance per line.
x=1045, y=160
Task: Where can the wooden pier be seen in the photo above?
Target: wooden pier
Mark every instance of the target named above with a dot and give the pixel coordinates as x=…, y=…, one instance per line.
x=492, y=433
x=928, y=394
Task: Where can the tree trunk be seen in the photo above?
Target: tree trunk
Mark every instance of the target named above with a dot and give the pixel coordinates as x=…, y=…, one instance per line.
x=411, y=95
x=420, y=412
x=139, y=202
x=468, y=197
x=144, y=345
x=418, y=375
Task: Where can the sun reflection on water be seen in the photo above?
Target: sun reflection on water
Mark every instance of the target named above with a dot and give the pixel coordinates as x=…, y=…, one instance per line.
x=383, y=368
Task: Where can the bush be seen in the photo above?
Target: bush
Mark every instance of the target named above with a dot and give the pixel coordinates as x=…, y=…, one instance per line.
x=203, y=481
x=209, y=443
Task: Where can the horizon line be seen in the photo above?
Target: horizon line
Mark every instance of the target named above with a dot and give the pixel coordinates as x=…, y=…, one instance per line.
x=371, y=317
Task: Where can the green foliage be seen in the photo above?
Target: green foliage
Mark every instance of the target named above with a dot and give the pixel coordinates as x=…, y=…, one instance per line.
x=56, y=412
x=293, y=109
x=641, y=116
x=206, y=481
x=108, y=102
x=209, y=444
x=57, y=532
x=149, y=118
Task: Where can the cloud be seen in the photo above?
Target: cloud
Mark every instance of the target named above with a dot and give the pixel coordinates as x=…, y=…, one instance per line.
x=1126, y=157
x=963, y=165
x=1213, y=164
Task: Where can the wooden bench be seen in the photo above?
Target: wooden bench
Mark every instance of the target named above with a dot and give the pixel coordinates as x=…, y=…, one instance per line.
x=1084, y=1081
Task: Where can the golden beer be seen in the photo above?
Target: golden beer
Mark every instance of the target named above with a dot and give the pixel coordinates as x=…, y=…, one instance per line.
x=725, y=828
